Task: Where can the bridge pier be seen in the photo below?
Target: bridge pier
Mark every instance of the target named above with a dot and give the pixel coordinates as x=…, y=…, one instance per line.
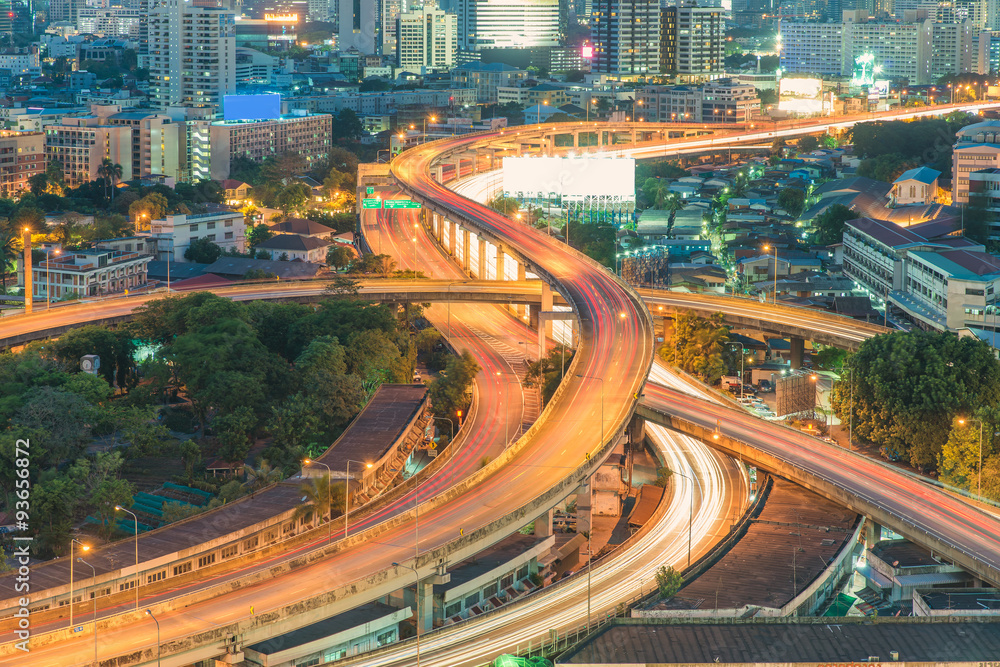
x=543, y=524
x=501, y=274
x=466, y=247
x=482, y=258
x=584, y=508
x=873, y=533
x=451, y=229
x=797, y=348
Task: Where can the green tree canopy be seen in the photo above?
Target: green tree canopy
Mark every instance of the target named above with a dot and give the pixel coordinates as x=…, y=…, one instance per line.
x=828, y=227
x=697, y=345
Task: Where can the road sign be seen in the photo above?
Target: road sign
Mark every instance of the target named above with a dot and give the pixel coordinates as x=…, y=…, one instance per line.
x=401, y=203
x=371, y=203
x=370, y=190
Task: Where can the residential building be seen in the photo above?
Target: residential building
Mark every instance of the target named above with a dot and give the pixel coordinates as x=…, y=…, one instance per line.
x=720, y=101
x=811, y=48
x=977, y=147
x=110, y=21
x=22, y=155
x=21, y=60
x=915, y=186
x=302, y=227
x=426, y=40
x=288, y=247
x=236, y=191
x=693, y=40
x=544, y=93
x=174, y=233
x=301, y=132
x=192, y=55
x=626, y=37
x=505, y=24
x=254, y=68
x=156, y=142
x=274, y=31
x=80, y=144
x=985, y=183
x=94, y=272
x=727, y=101
x=368, y=104
x=486, y=79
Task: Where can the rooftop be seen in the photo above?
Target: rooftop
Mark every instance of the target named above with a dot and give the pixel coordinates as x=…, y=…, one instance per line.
x=300, y=226
x=293, y=242
x=973, y=600
x=894, y=236
x=486, y=561
x=962, y=264
x=328, y=627
x=238, y=267
x=900, y=553
x=922, y=174
x=643, y=642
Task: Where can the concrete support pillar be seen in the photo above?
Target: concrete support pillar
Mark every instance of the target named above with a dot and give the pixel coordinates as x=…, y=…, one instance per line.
x=533, y=317
x=425, y=589
x=452, y=229
x=500, y=261
x=583, y=508
x=546, y=307
x=437, y=220
x=796, y=351
x=873, y=533
x=543, y=524
x=482, y=259
x=466, y=246
x=521, y=271
x=636, y=431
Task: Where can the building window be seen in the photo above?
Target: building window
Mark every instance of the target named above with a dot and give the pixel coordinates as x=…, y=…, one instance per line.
x=230, y=551
x=206, y=560
x=182, y=568
x=250, y=544
x=156, y=576
x=472, y=600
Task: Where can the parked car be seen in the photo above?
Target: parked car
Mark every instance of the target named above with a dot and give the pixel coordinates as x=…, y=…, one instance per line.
x=765, y=386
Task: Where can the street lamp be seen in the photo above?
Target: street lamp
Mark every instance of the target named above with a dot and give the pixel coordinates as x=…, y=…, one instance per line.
x=767, y=248
x=150, y=614
x=979, y=483
x=48, y=276
x=329, y=498
x=94, y=575
x=452, y=427
x=347, y=490
x=84, y=547
x=690, y=510
x=416, y=599
x=743, y=352
x=135, y=520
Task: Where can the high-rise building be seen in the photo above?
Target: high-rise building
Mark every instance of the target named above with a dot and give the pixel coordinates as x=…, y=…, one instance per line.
x=626, y=36
x=80, y=144
x=976, y=147
x=813, y=48
x=360, y=26
x=426, y=39
x=23, y=157
x=192, y=55
x=692, y=40
x=506, y=24
x=301, y=132
x=391, y=10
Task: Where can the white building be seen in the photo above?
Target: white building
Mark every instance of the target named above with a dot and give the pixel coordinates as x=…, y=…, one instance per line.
x=487, y=78
x=811, y=48
x=693, y=40
x=174, y=234
x=721, y=101
x=977, y=147
x=506, y=24
x=361, y=26
x=426, y=40
x=626, y=36
x=192, y=55
x=289, y=247
x=22, y=61
x=916, y=186
x=254, y=68
x=110, y=21
x=93, y=272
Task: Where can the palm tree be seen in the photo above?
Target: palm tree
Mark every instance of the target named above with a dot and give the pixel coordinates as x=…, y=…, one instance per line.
x=116, y=176
x=261, y=476
x=104, y=171
x=10, y=248
x=320, y=495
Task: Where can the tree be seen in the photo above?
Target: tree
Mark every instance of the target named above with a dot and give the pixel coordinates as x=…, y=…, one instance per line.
x=257, y=234
x=807, y=144
x=887, y=167
x=828, y=227
x=293, y=197
x=294, y=421
x=504, y=205
x=282, y=169
x=234, y=432
x=908, y=387
x=38, y=183
x=374, y=358
x=108, y=494
x=111, y=173
x=115, y=348
x=261, y=476
x=958, y=461
x=190, y=452
x=668, y=581
x=153, y=206
x=202, y=251
x=321, y=372
x=697, y=345
x=320, y=496
x=10, y=249
x=548, y=373
x=342, y=287
x=448, y=392
x=338, y=257
x=64, y=416
x=793, y=200
x=346, y=126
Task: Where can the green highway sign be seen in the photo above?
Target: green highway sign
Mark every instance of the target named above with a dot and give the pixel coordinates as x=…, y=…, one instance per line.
x=371, y=190
x=401, y=203
x=371, y=203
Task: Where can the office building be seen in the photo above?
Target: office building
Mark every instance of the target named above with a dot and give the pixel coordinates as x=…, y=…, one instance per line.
x=300, y=132
x=426, y=40
x=21, y=60
x=506, y=24
x=693, y=40
x=192, y=55
x=22, y=155
x=811, y=48
x=977, y=147
x=156, y=142
x=720, y=101
x=80, y=144
x=486, y=79
x=626, y=37
x=254, y=68
x=109, y=21
x=274, y=31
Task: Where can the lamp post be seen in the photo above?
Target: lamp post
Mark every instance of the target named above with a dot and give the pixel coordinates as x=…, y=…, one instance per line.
x=452, y=427
x=416, y=599
x=84, y=547
x=329, y=497
x=979, y=483
x=347, y=491
x=48, y=276
x=766, y=248
x=743, y=352
x=690, y=512
x=135, y=520
x=94, y=575
x=150, y=614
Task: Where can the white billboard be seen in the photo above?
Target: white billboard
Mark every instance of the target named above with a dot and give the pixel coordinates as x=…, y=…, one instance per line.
x=570, y=176
x=798, y=87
